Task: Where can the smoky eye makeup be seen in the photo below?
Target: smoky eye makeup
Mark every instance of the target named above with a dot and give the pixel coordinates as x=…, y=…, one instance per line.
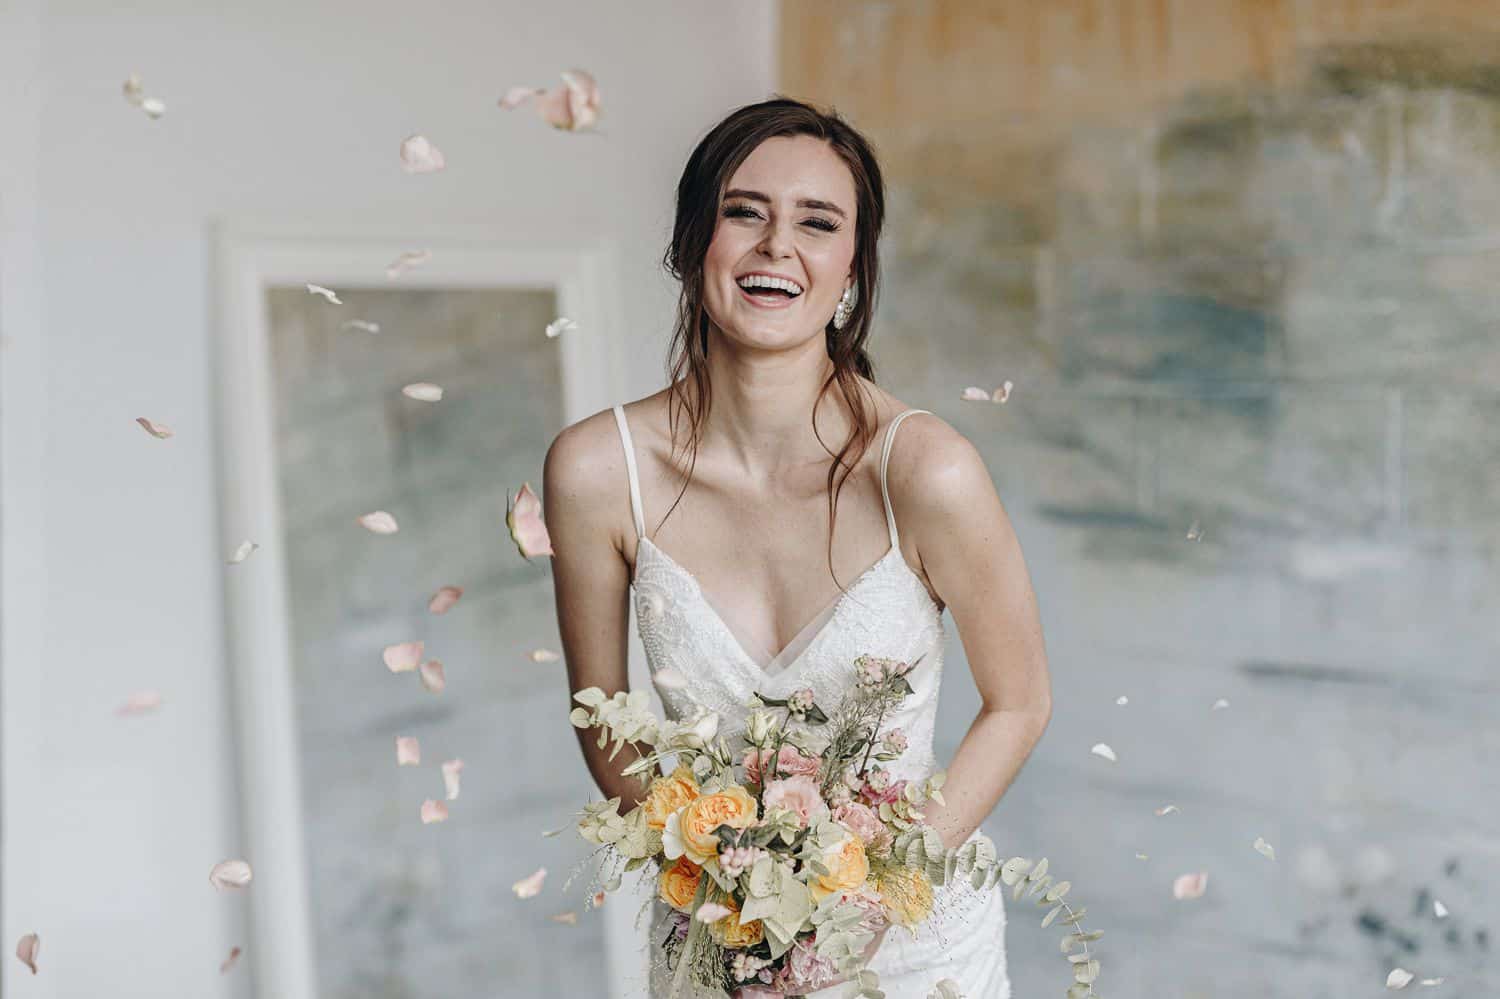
x=733, y=210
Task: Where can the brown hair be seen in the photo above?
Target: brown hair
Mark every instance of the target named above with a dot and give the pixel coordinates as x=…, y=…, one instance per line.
x=699, y=191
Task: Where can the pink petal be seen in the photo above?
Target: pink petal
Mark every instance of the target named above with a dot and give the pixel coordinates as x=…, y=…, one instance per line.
x=1166, y=809
x=132, y=89
x=403, y=657
x=1189, y=886
x=712, y=912
x=1399, y=978
x=27, y=949
x=378, y=522
x=554, y=107
x=158, y=430
x=230, y=874
x=423, y=392
x=566, y=918
x=419, y=155
x=443, y=600
x=531, y=885
x=328, y=293
x=229, y=962
x=598, y=899
x=432, y=676
x=544, y=656
x=434, y=811
x=1103, y=751
x=1002, y=394
x=451, y=771
x=974, y=394
x=140, y=702
x=408, y=751
x=516, y=96
x=559, y=326
x=524, y=518
x=360, y=324
x=583, y=99
x=405, y=262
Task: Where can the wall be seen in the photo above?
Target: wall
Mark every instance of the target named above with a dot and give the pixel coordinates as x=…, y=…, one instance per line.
x=1239, y=261
x=279, y=113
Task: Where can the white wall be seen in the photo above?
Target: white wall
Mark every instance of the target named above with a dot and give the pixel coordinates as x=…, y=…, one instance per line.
x=277, y=112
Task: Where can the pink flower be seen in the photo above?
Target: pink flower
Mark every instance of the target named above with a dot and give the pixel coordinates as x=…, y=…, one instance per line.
x=881, y=790
x=806, y=970
x=789, y=763
x=862, y=821
x=894, y=741
x=758, y=992
x=798, y=794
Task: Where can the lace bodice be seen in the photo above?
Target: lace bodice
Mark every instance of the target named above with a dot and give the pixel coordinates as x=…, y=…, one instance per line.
x=885, y=611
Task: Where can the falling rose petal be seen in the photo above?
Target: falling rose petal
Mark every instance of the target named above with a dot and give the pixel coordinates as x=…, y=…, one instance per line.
x=1002, y=394
x=443, y=600
x=243, y=552
x=328, y=293
x=1432, y=981
x=566, y=918
x=378, y=522
x=140, y=702
x=451, y=771
x=1189, y=886
x=544, y=656
x=408, y=751
x=405, y=262
x=419, y=155
x=1220, y=704
x=27, y=949
x=559, y=326
x=669, y=679
x=230, y=874
x=1195, y=531
x=516, y=96
x=598, y=899
x=583, y=99
x=1166, y=810
x=1264, y=849
x=1122, y=700
x=1102, y=750
x=1399, y=978
x=1141, y=856
x=423, y=392
x=402, y=657
x=712, y=912
x=363, y=325
x=524, y=518
x=433, y=811
x=158, y=430
x=154, y=107
x=531, y=885
x=1439, y=909
x=229, y=962
x=974, y=394
x=432, y=676
x=132, y=90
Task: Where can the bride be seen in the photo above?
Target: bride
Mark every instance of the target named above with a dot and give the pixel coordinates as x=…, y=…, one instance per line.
x=789, y=555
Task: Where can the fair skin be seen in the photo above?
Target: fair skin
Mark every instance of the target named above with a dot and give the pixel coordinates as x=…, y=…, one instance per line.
x=752, y=525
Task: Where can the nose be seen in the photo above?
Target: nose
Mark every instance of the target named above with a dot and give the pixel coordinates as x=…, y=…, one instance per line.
x=778, y=240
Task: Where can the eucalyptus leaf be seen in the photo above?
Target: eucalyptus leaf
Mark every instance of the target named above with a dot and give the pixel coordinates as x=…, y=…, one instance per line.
x=1014, y=869
x=1072, y=918
x=1057, y=891
x=1086, y=972
x=1047, y=920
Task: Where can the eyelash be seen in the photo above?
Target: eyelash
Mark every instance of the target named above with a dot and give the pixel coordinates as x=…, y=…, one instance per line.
x=739, y=211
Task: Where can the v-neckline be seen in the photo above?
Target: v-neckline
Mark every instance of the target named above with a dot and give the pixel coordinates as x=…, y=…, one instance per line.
x=827, y=615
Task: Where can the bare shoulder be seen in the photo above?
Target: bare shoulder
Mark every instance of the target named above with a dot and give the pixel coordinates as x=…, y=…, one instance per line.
x=584, y=483
x=935, y=471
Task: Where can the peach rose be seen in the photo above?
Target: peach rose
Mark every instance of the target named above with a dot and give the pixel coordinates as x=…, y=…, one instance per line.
x=789, y=763
x=668, y=794
x=732, y=933
x=906, y=894
x=679, y=884
x=847, y=870
x=690, y=830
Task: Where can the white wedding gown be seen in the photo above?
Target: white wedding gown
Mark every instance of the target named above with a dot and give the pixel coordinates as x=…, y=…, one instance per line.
x=885, y=611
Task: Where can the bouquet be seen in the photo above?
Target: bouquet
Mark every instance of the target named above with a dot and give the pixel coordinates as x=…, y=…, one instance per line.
x=782, y=857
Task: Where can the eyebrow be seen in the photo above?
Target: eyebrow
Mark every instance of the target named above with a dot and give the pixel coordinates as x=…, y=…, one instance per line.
x=827, y=206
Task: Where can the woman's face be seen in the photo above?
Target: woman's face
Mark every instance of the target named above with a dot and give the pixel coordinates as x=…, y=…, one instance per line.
x=788, y=211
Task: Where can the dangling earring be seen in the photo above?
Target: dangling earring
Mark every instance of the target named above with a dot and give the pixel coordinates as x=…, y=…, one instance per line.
x=842, y=311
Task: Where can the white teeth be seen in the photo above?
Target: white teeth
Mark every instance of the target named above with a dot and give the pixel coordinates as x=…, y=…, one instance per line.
x=762, y=281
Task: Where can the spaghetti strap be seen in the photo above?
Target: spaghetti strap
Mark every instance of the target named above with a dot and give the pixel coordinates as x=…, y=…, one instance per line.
x=635, y=482
x=885, y=457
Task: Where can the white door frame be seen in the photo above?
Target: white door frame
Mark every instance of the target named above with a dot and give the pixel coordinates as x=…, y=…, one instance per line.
x=257, y=621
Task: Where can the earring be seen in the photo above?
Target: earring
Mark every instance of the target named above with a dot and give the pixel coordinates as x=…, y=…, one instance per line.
x=845, y=307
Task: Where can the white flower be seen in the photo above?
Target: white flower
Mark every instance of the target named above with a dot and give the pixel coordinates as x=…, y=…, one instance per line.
x=760, y=727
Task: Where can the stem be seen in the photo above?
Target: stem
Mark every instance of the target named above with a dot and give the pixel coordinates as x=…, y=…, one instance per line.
x=695, y=928
x=870, y=747
x=1078, y=928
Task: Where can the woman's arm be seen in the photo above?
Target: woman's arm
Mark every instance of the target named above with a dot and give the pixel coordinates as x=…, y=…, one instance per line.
x=970, y=554
x=584, y=485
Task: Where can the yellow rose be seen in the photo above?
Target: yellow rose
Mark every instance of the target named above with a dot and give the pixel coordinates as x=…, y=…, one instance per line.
x=732, y=933
x=679, y=884
x=906, y=894
x=668, y=794
x=696, y=823
x=847, y=870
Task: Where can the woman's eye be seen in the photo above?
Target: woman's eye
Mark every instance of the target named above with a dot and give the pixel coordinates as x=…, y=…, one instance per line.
x=739, y=211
